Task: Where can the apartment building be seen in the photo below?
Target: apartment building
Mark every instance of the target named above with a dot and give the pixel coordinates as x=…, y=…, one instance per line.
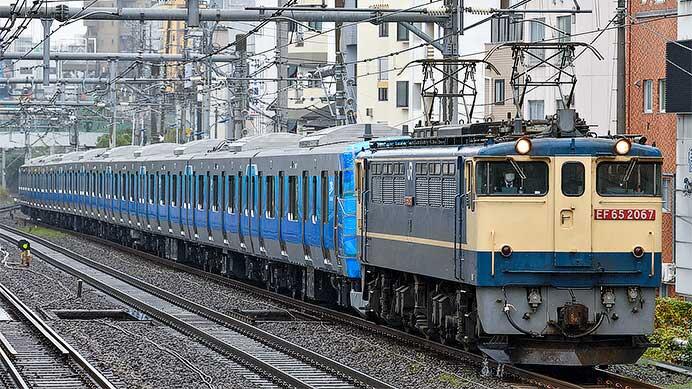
x=595, y=91
x=647, y=34
x=388, y=94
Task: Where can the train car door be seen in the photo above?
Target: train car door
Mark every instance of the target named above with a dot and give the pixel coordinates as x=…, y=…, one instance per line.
x=361, y=200
x=572, y=196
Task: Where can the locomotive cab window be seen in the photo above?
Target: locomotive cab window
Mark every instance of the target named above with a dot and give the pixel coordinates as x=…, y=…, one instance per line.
x=511, y=178
x=572, y=179
x=633, y=178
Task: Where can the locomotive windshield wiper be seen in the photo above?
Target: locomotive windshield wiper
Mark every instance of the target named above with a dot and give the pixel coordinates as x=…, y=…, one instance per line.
x=628, y=172
x=517, y=168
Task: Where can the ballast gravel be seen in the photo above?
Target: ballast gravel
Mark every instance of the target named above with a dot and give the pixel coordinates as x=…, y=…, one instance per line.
x=137, y=354
x=383, y=358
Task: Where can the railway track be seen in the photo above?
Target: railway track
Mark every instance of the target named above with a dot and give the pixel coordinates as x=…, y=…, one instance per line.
x=7, y=208
x=269, y=360
x=509, y=373
x=36, y=356
x=598, y=378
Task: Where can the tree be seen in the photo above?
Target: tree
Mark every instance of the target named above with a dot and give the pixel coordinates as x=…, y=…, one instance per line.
x=123, y=138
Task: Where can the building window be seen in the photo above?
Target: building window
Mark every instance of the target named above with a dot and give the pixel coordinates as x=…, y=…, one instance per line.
x=402, y=93
x=316, y=26
x=499, y=92
x=401, y=33
x=648, y=96
x=506, y=28
x=382, y=94
x=536, y=34
x=564, y=24
x=382, y=69
x=662, y=95
x=667, y=190
x=384, y=30
x=536, y=110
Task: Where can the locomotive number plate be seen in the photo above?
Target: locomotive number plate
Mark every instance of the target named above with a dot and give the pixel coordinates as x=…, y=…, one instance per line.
x=624, y=214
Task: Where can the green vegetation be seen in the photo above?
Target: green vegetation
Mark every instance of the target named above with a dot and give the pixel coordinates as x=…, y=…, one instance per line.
x=42, y=231
x=123, y=138
x=452, y=380
x=5, y=196
x=673, y=321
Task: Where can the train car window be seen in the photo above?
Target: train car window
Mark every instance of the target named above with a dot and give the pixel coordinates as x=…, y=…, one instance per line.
x=231, y=194
x=215, y=193
x=224, y=192
x=282, y=193
x=152, y=187
x=572, y=177
x=131, y=186
x=88, y=184
x=200, y=191
x=306, y=193
x=633, y=178
x=340, y=182
x=271, y=198
x=293, y=198
x=504, y=178
x=260, y=191
x=313, y=199
x=325, y=197
x=174, y=190
x=162, y=189
x=437, y=168
x=240, y=191
x=101, y=189
x=252, y=194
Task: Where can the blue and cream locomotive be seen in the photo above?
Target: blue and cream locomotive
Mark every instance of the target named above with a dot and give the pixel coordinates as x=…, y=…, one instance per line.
x=536, y=246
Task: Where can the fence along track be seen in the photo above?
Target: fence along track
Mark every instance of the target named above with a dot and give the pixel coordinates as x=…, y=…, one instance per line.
x=273, y=357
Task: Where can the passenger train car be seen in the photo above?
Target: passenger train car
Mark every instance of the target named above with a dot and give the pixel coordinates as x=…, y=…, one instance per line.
x=534, y=246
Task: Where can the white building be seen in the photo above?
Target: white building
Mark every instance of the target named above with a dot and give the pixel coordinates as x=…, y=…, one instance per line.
x=683, y=175
x=387, y=95
x=595, y=92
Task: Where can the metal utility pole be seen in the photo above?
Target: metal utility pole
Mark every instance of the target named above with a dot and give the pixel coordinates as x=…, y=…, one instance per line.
x=2, y=169
x=281, y=54
x=46, y=50
x=621, y=100
x=340, y=95
x=452, y=28
x=113, y=68
x=239, y=88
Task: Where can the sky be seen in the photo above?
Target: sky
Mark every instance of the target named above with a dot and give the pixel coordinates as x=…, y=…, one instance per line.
x=69, y=32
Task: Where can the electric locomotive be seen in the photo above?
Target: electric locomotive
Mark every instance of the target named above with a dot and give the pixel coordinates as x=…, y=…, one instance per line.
x=534, y=242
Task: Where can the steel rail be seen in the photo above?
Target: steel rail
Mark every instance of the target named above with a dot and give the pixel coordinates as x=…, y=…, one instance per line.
x=54, y=339
x=234, y=324
x=8, y=208
x=325, y=313
x=615, y=380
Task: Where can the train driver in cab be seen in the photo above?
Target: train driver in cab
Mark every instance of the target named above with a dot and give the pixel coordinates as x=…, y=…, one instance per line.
x=509, y=185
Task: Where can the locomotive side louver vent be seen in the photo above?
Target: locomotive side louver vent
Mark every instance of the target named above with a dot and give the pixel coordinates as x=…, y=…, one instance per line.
x=399, y=189
x=435, y=192
x=421, y=191
x=449, y=191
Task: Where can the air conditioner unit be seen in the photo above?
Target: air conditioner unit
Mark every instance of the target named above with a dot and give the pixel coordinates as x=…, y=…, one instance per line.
x=668, y=272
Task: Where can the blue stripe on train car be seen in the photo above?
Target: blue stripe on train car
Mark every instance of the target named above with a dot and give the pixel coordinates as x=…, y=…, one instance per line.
x=348, y=239
x=538, y=268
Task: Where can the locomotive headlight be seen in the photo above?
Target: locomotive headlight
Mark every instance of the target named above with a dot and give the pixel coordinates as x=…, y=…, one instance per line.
x=506, y=251
x=638, y=252
x=523, y=146
x=622, y=146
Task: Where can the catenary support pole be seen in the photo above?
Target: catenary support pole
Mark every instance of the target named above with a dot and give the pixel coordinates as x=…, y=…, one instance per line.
x=112, y=67
x=621, y=99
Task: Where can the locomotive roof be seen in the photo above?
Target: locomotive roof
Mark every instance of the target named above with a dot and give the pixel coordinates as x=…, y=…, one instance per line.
x=569, y=146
